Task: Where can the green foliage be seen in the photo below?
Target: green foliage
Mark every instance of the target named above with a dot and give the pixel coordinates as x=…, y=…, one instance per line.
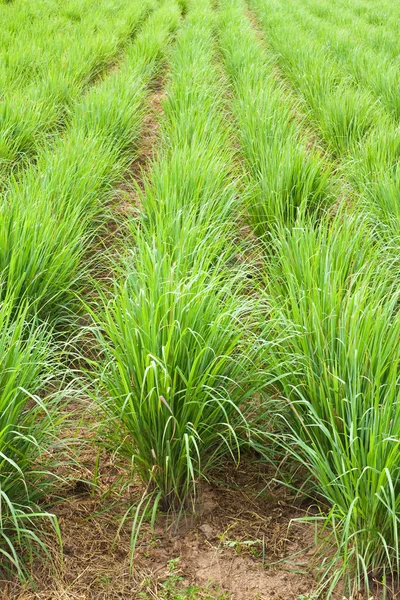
x=49, y=216
x=334, y=308
x=191, y=334
x=28, y=426
x=322, y=60
x=179, y=360
x=48, y=65
x=177, y=369
x=286, y=181
x=332, y=334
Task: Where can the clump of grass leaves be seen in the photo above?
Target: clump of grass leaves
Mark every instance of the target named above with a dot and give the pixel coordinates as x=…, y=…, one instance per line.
x=28, y=426
x=334, y=308
x=177, y=371
x=179, y=363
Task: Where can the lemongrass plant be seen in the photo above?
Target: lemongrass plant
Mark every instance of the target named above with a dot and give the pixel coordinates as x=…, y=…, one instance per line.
x=176, y=372
x=286, y=179
x=179, y=361
x=348, y=43
x=334, y=310
x=29, y=424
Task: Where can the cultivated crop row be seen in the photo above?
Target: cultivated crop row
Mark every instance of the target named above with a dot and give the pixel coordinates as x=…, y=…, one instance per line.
x=38, y=92
x=48, y=220
x=355, y=129
x=287, y=178
x=179, y=365
x=40, y=40
x=334, y=324
x=371, y=68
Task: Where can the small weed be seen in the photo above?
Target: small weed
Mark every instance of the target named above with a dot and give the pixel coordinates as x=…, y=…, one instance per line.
x=173, y=589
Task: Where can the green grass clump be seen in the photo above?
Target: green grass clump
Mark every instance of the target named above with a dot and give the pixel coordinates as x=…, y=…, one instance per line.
x=334, y=306
x=179, y=360
x=347, y=40
x=343, y=112
x=29, y=422
x=333, y=326
x=286, y=180
x=47, y=221
x=176, y=371
x=357, y=130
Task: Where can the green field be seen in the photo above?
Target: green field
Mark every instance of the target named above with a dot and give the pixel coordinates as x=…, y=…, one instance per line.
x=199, y=322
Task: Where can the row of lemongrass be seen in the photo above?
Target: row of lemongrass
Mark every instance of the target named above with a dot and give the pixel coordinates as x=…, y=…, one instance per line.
x=38, y=101
x=359, y=132
x=179, y=363
x=332, y=343
x=47, y=223
x=347, y=42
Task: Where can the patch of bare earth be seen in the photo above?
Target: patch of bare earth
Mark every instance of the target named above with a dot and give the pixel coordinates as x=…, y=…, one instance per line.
x=240, y=541
x=128, y=190
x=240, y=529
x=125, y=203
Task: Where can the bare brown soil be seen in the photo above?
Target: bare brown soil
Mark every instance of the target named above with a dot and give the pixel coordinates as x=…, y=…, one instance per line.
x=125, y=203
x=128, y=192
x=236, y=537
x=240, y=529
